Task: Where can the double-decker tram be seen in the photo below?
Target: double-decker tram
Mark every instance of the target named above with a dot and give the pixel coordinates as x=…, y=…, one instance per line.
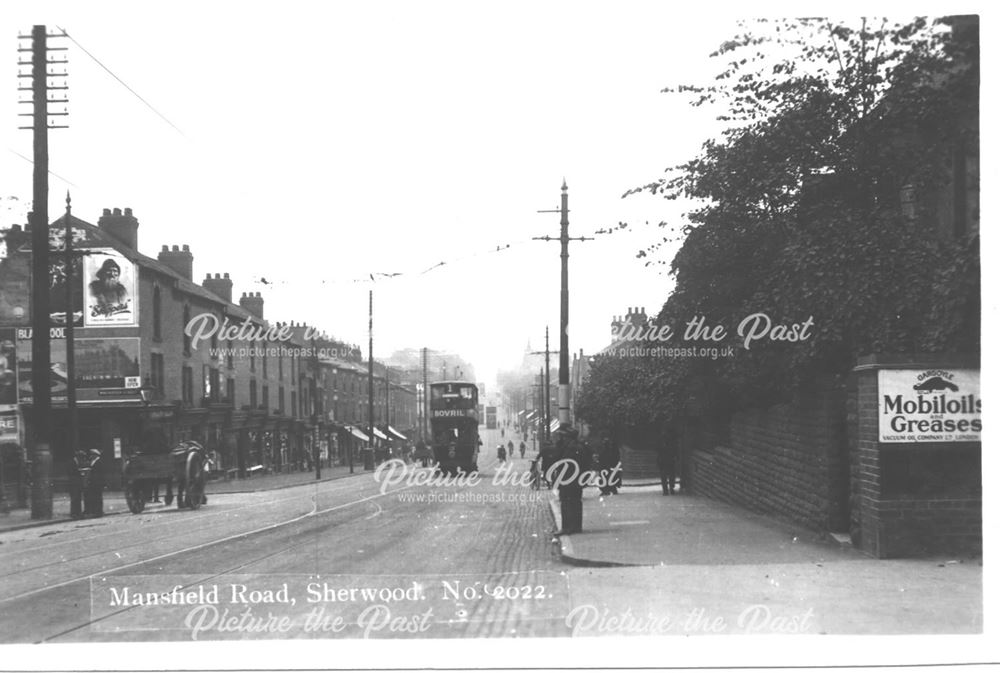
x=455, y=425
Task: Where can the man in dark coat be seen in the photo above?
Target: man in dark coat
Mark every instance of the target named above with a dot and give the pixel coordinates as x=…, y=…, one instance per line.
x=569, y=448
x=666, y=460
x=78, y=469
x=93, y=494
x=609, y=459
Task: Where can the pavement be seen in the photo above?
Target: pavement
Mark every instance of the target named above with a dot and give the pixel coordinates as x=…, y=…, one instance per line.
x=114, y=501
x=683, y=558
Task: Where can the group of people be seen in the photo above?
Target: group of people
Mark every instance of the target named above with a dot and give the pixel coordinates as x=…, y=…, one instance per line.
x=503, y=452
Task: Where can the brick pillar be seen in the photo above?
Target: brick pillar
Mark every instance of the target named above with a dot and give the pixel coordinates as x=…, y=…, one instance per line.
x=916, y=482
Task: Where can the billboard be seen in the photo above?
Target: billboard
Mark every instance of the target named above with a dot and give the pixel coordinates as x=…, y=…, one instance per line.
x=933, y=405
x=8, y=428
x=107, y=370
x=8, y=369
x=111, y=289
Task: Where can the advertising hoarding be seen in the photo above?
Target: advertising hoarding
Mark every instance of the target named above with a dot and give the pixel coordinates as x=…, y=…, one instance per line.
x=933, y=405
x=107, y=370
x=111, y=296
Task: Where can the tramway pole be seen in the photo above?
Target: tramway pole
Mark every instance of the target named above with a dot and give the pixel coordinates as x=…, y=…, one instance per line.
x=72, y=428
x=564, y=239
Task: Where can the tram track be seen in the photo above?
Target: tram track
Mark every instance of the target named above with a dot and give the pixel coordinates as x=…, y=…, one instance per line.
x=205, y=522
x=198, y=547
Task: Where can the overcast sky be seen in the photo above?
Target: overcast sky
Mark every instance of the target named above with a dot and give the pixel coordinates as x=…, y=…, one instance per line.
x=321, y=142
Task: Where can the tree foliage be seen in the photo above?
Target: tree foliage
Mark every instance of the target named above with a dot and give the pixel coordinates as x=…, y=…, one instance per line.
x=799, y=212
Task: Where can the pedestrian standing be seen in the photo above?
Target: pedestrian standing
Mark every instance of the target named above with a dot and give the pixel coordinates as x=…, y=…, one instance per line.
x=522, y=447
x=93, y=496
x=569, y=449
x=666, y=461
x=610, y=466
x=78, y=469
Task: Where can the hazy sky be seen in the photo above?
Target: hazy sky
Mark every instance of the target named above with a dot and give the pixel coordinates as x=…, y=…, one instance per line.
x=321, y=142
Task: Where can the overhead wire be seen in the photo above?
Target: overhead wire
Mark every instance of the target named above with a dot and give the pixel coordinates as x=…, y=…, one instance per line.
x=422, y=270
x=121, y=81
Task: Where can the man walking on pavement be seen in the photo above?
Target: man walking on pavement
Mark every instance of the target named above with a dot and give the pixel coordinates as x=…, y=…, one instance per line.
x=666, y=460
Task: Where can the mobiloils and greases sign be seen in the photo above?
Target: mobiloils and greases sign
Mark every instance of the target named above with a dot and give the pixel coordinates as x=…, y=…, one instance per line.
x=929, y=405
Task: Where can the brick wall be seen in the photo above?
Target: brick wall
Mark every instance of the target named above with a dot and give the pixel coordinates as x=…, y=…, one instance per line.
x=788, y=461
x=639, y=464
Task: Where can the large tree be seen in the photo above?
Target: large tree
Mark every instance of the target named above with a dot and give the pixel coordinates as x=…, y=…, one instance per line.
x=802, y=209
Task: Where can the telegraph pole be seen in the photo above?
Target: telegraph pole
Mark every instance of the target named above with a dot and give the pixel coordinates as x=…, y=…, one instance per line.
x=41, y=356
x=547, y=403
x=370, y=454
x=564, y=239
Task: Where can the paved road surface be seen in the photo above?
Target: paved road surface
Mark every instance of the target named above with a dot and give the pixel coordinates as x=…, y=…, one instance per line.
x=346, y=533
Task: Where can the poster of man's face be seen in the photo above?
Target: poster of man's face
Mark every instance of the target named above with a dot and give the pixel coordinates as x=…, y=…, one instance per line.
x=110, y=291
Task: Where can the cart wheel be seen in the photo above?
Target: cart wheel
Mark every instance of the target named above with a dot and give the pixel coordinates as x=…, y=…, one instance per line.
x=194, y=480
x=135, y=497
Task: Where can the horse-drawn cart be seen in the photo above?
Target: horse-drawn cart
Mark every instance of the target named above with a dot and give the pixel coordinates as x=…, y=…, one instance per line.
x=183, y=466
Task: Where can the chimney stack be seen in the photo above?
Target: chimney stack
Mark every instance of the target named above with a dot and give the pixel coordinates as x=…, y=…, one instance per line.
x=220, y=286
x=253, y=303
x=180, y=260
x=15, y=237
x=123, y=227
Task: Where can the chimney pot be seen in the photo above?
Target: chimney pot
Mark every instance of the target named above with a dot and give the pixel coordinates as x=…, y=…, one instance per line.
x=165, y=249
x=107, y=212
x=128, y=212
x=117, y=212
x=225, y=275
x=186, y=248
x=176, y=249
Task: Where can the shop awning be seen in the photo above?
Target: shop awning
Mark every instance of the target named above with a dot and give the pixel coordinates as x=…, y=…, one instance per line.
x=379, y=434
x=530, y=416
x=357, y=433
x=554, y=425
x=394, y=431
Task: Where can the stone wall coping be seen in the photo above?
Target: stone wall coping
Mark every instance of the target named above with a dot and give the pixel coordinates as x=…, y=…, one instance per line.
x=917, y=361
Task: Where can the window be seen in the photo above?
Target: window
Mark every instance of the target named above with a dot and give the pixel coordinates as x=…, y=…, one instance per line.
x=231, y=391
x=281, y=398
x=229, y=355
x=253, y=394
x=253, y=356
x=156, y=372
x=263, y=360
x=215, y=343
x=187, y=339
x=281, y=367
x=215, y=388
x=295, y=408
x=265, y=400
x=187, y=385
x=157, y=314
